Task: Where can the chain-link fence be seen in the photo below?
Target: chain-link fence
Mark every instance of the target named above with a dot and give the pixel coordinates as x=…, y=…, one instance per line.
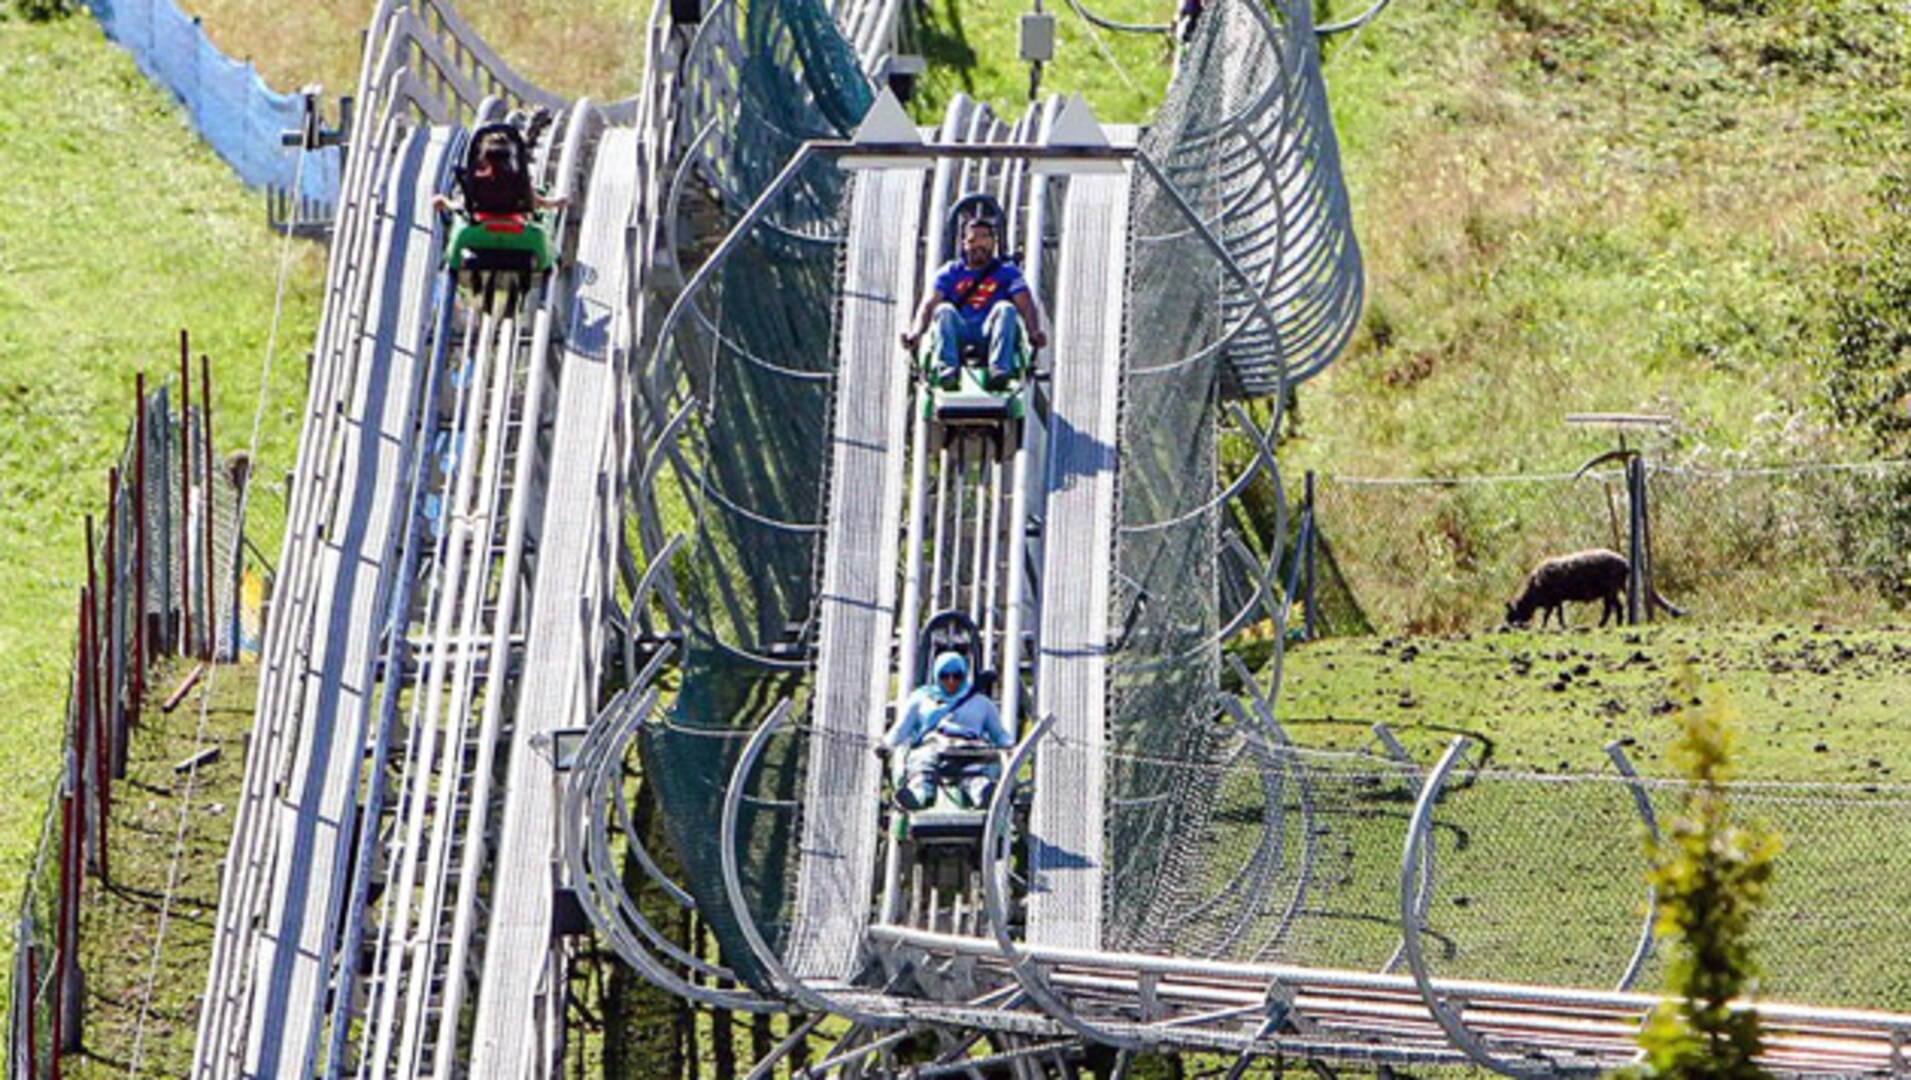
x=162, y=579
x=1529, y=878
x=1541, y=879
x=1801, y=544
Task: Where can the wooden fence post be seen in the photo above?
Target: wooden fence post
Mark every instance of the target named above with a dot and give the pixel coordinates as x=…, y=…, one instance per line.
x=210, y=622
x=185, y=647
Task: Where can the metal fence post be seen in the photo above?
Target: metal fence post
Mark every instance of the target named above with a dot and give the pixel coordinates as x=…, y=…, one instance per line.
x=1648, y=574
x=1310, y=530
x=109, y=656
x=32, y=989
x=1635, y=541
x=66, y=1012
x=140, y=645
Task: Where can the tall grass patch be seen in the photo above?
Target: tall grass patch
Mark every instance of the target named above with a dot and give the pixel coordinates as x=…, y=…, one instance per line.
x=574, y=47
x=1595, y=207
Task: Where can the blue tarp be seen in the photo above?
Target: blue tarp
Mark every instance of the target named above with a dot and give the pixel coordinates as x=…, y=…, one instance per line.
x=231, y=107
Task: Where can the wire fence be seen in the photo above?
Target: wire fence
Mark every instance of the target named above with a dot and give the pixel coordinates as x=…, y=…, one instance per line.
x=231, y=107
x=1296, y=857
x=163, y=566
x=1800, y=544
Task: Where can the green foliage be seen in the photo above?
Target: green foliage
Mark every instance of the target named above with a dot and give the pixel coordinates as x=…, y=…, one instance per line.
x=972, y=49
x=1865, y=373
x=1711, y=876
x=40, y=10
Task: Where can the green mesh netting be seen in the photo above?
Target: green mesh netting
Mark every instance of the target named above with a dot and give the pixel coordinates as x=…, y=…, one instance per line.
x=755, y=353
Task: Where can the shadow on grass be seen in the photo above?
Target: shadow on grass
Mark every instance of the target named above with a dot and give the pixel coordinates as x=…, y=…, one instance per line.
x=943, y=42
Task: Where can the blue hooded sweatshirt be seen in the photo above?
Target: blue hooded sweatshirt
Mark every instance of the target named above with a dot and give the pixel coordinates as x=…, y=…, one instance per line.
x=961, y=715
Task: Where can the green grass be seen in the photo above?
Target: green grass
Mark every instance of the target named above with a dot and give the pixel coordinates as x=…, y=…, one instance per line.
x=1812, y=705
x=574, y=47
x=128, y=1000
x=973, y=51
x=1563, y=207
x=120, y=230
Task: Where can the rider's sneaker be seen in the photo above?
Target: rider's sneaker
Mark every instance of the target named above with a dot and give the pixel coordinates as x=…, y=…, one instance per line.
x=911, y=799
x=997, y=381
x=950, y=380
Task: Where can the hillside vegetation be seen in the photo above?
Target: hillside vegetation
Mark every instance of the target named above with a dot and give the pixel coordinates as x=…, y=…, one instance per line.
x=574, y=47
x=1602, y=205
x=1565, y=205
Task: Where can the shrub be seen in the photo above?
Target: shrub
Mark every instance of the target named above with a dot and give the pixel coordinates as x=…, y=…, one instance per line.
x=1711, y=876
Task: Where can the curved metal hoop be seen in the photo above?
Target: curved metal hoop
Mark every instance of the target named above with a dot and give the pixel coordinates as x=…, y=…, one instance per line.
x=792, y=984
x=1419, y=833
x=1643, y=803
x=995, y=894
x=588, y=857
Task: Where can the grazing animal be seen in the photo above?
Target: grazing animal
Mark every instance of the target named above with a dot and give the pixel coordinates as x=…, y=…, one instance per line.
x=1583, y=576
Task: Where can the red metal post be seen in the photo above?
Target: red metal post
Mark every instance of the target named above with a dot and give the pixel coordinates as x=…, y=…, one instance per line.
x=112, y=669
x=63, y=934
x=102, y=743
x=91, y=664
x=207, y=487
x=185, y=496
x=84, y=671
x=139, y=542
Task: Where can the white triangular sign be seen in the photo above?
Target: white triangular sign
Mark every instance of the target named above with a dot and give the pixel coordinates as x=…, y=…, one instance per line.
x=887, y=124
x=1076, y=127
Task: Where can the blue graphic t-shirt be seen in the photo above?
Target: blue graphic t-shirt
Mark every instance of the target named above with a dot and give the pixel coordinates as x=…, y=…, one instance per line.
x=974, y=292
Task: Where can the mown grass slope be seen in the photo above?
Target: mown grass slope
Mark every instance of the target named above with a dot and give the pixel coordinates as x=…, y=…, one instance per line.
x=140, y=1007
x=1563, y=206
x=119, y=229
x=1811, y=704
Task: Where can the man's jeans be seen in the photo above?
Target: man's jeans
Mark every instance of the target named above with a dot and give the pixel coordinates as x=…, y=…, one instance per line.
x=1001, y=334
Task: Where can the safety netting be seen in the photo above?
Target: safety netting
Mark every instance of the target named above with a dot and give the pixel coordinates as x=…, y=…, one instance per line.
x=1541, y=879
x=230, y=106
x=747, y=369
x=1191, y=571
x=1252, y=131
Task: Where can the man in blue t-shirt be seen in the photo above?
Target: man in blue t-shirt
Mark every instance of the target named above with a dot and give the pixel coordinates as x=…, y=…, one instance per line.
x=978, y=300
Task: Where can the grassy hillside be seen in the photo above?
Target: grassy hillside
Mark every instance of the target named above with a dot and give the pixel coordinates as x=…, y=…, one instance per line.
x=575, y=47
x=1600, y=206
x=1565, y=205
x=120, y=229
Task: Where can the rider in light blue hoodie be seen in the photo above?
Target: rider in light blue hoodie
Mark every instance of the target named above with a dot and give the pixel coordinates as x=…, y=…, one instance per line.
x=945, y=712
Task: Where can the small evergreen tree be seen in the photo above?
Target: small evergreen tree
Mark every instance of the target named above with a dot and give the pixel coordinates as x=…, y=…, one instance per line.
x=1711, y=875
